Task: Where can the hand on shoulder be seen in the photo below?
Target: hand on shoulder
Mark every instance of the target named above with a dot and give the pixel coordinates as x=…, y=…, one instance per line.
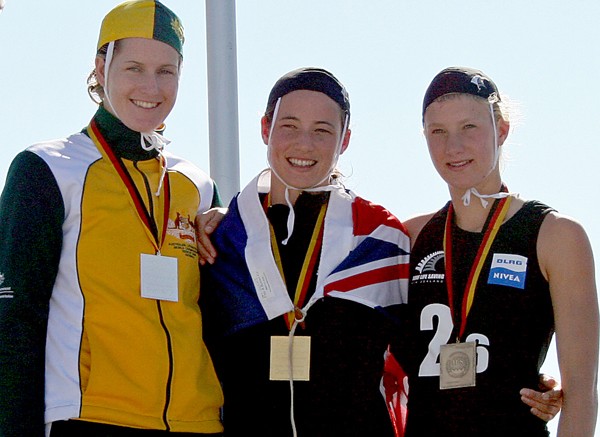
x=205, y=224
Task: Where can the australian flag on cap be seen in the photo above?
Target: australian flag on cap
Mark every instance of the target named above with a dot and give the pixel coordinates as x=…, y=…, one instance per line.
x=142, y=19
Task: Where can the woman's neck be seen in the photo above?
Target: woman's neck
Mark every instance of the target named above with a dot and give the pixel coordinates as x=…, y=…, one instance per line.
x=278, y=192
x=124, y=141
x=470, y=218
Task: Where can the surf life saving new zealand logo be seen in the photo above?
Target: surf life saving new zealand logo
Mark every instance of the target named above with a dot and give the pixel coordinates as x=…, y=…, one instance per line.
x=5, y=292
x=430, y=269
x=509, y=270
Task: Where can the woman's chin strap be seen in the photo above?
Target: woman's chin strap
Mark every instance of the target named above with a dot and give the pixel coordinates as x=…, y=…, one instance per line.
x=155, y=141
x=466, y=198
x=334, y=183
x=148, y=140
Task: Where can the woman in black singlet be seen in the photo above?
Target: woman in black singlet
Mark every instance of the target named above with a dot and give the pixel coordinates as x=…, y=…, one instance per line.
x=493, y=276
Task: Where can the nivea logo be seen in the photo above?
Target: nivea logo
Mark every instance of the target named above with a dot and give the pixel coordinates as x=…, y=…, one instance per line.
x=509, y=270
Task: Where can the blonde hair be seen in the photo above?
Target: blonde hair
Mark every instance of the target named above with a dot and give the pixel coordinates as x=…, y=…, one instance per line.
x=505, y=108
x=94, y=89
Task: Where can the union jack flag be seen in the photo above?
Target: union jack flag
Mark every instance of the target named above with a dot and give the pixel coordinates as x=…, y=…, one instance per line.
x=364, y=258
x=375, y=272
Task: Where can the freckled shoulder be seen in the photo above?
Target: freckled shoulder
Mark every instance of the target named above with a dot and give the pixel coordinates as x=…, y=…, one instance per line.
x=564, y=247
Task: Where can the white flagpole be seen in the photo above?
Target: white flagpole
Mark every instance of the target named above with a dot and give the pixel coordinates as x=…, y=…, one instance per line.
x=222, y=96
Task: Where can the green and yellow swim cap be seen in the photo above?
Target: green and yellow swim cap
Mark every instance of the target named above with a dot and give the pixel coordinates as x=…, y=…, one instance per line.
x=142, y=19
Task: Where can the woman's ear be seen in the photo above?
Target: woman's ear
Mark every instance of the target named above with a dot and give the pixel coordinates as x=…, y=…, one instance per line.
x=99, y=63
x=346, y=141
x=503, y=129
x=265, y=129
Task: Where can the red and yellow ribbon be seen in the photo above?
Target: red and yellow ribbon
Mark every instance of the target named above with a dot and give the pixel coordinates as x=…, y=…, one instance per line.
x=488, y=238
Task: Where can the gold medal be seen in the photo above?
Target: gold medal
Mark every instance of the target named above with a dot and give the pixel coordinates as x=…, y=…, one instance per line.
x=282, y=364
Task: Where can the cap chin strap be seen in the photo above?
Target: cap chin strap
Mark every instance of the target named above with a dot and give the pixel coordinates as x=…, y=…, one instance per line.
x=466, y=198
x=155, y=141
x=148, y=140
x=333, y=184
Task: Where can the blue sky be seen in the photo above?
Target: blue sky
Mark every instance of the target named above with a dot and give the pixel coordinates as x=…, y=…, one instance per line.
x=542, y=54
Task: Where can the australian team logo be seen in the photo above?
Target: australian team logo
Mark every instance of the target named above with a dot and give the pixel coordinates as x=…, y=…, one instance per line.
x=430, y=269
x=182, y=227
x=509, y=270
x=178, y=29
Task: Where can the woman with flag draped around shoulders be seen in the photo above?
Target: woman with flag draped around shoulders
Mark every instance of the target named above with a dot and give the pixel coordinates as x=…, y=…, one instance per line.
x=305, y=262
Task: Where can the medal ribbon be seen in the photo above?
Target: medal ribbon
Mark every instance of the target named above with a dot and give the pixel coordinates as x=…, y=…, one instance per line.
x=308, y=266
x=144, y=214
x=491, y=230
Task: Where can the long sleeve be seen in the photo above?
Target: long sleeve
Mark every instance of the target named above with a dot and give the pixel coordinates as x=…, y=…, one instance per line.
x=216, y=199
x=31, y=217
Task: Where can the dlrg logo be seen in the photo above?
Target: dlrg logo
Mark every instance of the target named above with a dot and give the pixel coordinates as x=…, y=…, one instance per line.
x=509, y=270
x=510, y=261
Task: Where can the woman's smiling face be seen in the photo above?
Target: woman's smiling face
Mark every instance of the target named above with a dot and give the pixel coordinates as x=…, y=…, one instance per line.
x=305, y=138
x=460, y=138
x=142, y=84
